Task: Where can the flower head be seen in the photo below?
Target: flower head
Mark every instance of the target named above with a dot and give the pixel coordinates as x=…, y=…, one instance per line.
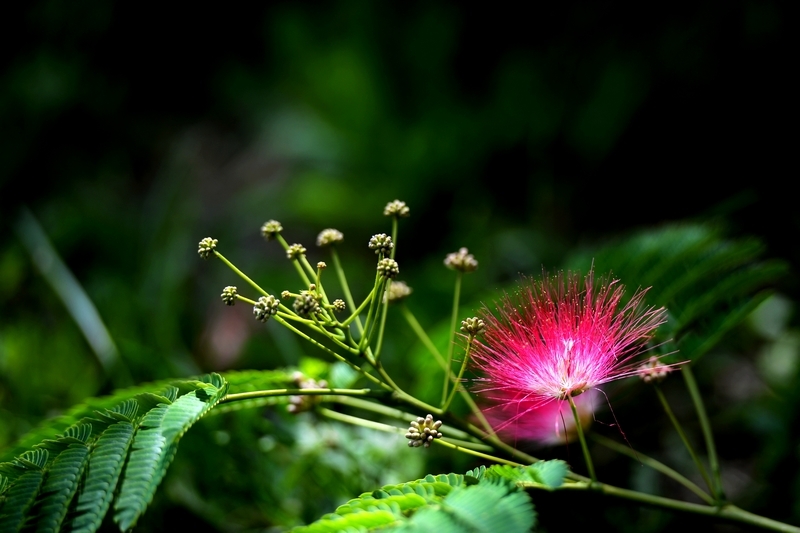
x=461, y=260
x=329, y=236
x=396, y=209
x=270, y=229
x=562, y=337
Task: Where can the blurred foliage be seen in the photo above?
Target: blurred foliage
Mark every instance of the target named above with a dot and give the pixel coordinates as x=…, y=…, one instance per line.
x=130, y=133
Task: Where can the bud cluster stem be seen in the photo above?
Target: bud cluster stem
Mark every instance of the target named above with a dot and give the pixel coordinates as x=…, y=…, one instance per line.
x=453, y=320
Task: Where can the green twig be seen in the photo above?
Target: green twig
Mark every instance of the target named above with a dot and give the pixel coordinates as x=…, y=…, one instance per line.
x=295, y=262
x=382, y=326
x=331, y=352
x=654, y=464
x=683, y=437
x=587, y=457
x=475, y=453
x=250, y=395
x=705, y=425
x=348, y=296
x=457, y=384
x=426, y=341
x=726, y=512
x=240, y=273
x=453, y=319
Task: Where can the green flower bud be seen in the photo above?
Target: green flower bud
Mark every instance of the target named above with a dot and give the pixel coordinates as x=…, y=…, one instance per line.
x=265, y=307
x=207, y=247
x=294, y=251
x=329, y=236
x=472, y=326
x=229, y=295
x=322, y=265
x=423, y=431
x=285, y=294
x=339, y=305
x=381, y=243
x=461, y=260
x=388, y=268
x=270, y=229
x=306, y=304
x=396, y=209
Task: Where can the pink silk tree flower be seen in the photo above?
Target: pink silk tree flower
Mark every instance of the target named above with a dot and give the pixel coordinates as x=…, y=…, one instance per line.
x=550, y=424
x=559, y=338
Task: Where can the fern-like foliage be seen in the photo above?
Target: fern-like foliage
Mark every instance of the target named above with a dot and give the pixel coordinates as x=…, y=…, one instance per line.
x=707, y=283
x=113, y=449
x=483, y=500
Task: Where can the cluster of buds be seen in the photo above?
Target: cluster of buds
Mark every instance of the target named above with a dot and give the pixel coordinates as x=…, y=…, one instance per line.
x=305, y=402
x=423, y=431
x=381, y=243
x=265, y=307
x=388, y=268
x=271, y=229
x=306, y=304
x=462, y=260
x=295, y=251
x=207, y=247
x=472, y=326
x=329, y=236
x=653, y=371
x=338, y=305
x=396, y=209
x=229, y=295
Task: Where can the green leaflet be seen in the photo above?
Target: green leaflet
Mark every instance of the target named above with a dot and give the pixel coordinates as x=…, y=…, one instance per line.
x=68, y=483
x=18, y=500
x=143, y=393
x=60, y=486
x=26, y=478
x=450, y=503
x=105, y=466
x=550, y=474
x=483, y=508
x=154, y=447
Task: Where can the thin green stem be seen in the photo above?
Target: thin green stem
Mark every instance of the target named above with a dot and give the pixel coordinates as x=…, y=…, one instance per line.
x=328, y=350
x=311, y=271
x=369, y=323
x=475, y=453
x=357, y=312
x=457, y=384
x=453, y=318
x=394, y=236
x=726, y=512
x=422, y=335
x=654, y=464
x=250, y=395
x=295, y=262
x=382, y=326
x=240, y=273
x=356, y=421
x=397, y=414
x=683, y=437
x=587, y=457
x=705, y=425
x=462, y=445
x=348, y=296
x=426, y=341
